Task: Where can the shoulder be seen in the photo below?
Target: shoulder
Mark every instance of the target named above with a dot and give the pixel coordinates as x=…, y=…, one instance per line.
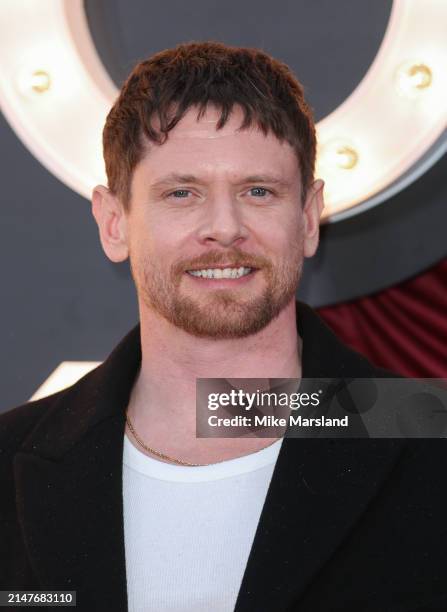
x=18, y=423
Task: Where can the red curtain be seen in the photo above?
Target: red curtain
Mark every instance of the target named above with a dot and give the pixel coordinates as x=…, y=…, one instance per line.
x=403, y=329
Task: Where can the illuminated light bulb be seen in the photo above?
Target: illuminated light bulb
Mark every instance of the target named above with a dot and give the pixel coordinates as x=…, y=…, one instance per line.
x=33, y=83
x=340, y=155
x=413, y=78
x=40, y=81
x=346, y=157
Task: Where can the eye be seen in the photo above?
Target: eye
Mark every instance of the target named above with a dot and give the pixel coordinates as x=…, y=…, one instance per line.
x=179, y=193
x=259, y=191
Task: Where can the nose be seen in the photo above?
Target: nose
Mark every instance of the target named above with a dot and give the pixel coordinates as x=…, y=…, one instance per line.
x=222, y=221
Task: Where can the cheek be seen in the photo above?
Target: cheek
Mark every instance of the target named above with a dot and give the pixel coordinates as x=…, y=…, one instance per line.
x=282, y=239
x=148, y=237
x=295, y=229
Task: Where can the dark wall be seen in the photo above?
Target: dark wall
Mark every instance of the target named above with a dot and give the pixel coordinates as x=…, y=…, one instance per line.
x=61, y=298
x=328, y=44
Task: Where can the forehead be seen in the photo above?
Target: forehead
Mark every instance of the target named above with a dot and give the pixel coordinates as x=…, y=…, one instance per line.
x=196, y=145
x=206, y=126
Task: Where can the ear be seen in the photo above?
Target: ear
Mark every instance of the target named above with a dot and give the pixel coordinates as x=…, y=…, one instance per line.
x=112, y=223
x=313, y=207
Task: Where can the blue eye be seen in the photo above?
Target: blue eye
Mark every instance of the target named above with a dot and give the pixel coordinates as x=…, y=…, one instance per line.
x=259, y=191
x=180, y=193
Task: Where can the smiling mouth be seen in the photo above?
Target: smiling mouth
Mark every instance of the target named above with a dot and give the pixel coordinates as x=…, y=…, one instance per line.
x=220, y=273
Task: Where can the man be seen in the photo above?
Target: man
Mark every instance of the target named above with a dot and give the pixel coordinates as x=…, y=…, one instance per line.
x=107, y=491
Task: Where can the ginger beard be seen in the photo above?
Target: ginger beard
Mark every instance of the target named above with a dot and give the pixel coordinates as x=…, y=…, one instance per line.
x=219, y=313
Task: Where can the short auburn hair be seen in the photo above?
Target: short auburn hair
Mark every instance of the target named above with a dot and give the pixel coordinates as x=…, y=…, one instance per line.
x=165, y=86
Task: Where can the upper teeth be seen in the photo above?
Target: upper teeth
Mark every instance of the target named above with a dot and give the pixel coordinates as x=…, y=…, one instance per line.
x=219, y=273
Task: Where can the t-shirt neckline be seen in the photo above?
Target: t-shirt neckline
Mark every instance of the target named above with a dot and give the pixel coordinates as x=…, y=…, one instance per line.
x=152, y=467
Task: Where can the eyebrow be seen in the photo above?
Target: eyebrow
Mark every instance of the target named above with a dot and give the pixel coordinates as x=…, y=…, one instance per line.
x=174, y=177
x=265, y=178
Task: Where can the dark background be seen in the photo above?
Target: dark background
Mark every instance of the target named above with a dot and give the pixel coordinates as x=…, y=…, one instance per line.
x=63, y=300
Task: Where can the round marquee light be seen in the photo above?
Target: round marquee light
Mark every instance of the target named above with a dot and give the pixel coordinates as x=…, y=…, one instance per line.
x=40, y=81
x=413, y=78
x=338, y=155
x=56, y=93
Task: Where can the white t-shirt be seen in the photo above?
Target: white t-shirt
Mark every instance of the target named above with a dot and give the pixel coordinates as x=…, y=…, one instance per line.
x=188, y=531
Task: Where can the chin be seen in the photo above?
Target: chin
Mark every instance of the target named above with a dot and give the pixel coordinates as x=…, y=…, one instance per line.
x=226, y=317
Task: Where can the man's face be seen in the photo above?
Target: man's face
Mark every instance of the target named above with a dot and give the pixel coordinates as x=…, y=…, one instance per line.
x=216, y=231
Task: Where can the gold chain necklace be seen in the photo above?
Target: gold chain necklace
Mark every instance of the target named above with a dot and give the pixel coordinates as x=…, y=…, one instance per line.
x=167, y=457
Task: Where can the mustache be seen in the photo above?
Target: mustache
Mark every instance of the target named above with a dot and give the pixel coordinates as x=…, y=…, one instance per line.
x=235, y=258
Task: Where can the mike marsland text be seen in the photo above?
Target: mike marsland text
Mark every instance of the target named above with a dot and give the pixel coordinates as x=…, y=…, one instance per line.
x=272, y=421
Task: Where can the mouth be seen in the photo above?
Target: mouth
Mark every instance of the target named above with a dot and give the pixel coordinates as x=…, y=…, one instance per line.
x=222, y=272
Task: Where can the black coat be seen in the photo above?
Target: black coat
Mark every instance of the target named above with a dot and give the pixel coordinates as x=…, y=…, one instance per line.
x=347, y=524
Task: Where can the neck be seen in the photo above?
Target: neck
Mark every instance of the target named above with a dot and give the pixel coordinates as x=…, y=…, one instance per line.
x=163, y=399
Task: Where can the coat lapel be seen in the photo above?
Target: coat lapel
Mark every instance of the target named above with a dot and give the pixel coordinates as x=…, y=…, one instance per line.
x=71, y=516
x=69, y=486
x=319, y=488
